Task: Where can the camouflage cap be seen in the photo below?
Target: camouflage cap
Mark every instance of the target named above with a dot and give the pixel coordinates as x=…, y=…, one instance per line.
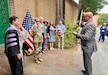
x=41, y=18
x=36, y=19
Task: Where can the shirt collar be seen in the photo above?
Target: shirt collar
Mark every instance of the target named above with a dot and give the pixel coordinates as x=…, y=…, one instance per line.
x=14, y=27
x=60, y=24
x=88, y=21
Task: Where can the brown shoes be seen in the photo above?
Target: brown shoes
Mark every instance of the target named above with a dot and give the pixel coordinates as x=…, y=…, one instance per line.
x=41, y=60
x=38, y=61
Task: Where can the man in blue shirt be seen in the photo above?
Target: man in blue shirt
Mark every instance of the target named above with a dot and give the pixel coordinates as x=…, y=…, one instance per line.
x=60, y=31
x=102, y=32
x=42, y=26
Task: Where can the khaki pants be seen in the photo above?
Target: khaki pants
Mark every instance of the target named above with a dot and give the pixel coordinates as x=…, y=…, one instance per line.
x=61, y=42
x=38, y=47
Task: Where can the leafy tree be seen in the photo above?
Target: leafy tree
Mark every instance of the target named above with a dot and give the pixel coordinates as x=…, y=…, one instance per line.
x=92, y=5
x=103, y=19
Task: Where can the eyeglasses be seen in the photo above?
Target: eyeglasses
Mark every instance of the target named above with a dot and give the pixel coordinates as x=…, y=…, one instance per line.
x=85, y=16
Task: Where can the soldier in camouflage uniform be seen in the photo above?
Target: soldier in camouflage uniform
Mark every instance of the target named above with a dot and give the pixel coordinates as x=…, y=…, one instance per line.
x=36, y=31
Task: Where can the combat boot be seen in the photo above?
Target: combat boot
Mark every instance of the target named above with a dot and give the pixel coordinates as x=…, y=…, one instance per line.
x=37, y=62
x=41, y=60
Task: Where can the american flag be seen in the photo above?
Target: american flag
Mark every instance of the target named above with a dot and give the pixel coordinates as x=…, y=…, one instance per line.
x=26, y=25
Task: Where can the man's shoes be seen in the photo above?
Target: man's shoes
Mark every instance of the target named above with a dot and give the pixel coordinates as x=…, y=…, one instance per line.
x=88, y=74
x=43, y=52
x=102, y=41
x=62, y=49
x=58, y=49
x=83, y=71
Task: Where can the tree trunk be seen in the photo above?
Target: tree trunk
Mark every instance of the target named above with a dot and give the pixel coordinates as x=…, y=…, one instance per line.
x=60, y=10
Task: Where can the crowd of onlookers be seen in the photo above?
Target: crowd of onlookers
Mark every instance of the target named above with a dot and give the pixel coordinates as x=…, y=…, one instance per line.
x=49, y=31
x=44, y=34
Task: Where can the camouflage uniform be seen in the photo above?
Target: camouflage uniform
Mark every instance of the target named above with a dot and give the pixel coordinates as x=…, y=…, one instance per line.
x=36, y=31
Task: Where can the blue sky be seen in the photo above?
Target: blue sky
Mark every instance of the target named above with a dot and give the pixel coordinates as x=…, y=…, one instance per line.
x=104, y=9
x=77, y=1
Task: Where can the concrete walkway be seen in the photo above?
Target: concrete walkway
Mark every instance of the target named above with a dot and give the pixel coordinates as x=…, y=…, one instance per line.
x=57, y=62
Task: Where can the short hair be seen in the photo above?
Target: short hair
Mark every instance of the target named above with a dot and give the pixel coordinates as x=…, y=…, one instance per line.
x=45, y=22
x=50, y=23
x=12, y=18
x=90, y=14
x=61, y=20
x=36, y=19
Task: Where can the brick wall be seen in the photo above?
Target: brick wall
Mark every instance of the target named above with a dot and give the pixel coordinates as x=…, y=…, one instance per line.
x=71, y=11
x=21, y=7
x=11, y=7
x=44, y=8
x=37, y=8
x=95, y=19
x=47, y=9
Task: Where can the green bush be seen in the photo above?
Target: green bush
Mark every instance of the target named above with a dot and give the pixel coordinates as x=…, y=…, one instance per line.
x=69, y=38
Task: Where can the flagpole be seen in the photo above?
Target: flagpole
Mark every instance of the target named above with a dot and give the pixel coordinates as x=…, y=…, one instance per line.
x=27, y=24
x=27, y=10
x=28, y=19
x=28, y=6
x=80, y=18
x=29, y=14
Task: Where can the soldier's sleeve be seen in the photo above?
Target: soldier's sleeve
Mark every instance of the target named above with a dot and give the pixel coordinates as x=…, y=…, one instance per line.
x=32, y=31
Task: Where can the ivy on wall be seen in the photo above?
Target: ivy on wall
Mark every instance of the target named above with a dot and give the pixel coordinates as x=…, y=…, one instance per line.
x=4, y=16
